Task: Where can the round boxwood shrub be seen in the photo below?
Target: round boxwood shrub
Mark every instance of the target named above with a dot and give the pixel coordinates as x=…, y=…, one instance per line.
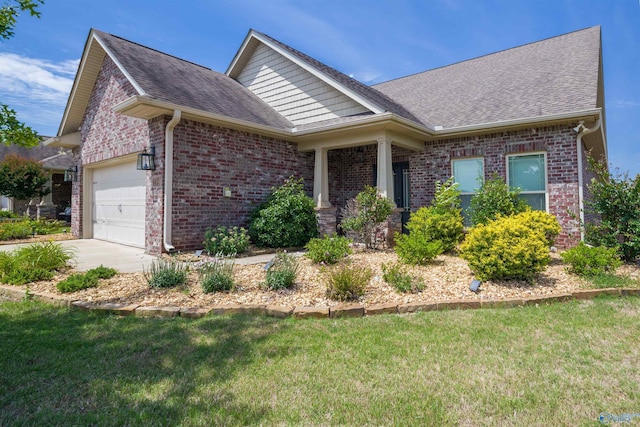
x=539, y=220
x=286, y=219
x=505, y=248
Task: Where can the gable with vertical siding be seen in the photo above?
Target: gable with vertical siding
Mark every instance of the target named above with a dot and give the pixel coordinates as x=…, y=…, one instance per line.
x=292, y=91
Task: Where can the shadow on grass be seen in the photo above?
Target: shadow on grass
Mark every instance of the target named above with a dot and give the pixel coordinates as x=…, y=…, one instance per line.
x=61, y=367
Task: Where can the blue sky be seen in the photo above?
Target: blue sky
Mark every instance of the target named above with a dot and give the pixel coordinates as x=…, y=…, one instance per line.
x=374, y=41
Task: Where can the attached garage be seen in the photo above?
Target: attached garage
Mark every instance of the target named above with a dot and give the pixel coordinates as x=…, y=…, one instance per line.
x=118, y=199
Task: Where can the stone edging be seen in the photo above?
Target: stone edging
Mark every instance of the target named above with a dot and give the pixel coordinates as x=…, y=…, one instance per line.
x=343, y=310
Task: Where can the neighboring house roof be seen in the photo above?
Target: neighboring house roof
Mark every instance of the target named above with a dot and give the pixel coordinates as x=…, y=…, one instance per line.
x=50, y=157
x=552, y=76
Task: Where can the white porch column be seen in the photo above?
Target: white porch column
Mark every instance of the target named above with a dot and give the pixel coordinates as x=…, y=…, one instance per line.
x=385, y=170
x=321, y=179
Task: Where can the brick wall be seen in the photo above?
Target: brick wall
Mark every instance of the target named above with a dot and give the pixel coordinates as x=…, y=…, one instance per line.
x=208, y=158
x=347, y=178
x=104, y=133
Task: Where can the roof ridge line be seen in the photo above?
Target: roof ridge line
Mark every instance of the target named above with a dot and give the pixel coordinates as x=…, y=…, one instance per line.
x=486, y=55
x=152, y=49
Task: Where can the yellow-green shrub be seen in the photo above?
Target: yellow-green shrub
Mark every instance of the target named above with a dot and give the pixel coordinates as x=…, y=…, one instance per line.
x=506, y=248
x=543, y=222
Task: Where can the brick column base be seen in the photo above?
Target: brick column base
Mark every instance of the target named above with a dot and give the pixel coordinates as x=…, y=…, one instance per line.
x=394, y=224
x=46, y=212
x=326, y=221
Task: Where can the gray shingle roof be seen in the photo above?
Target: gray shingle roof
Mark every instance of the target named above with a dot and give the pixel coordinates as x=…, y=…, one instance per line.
x=552, y=76
x=167, y=78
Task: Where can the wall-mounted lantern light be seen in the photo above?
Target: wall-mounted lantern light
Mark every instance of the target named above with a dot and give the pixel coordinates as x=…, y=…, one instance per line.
x=146, y=159
x=71, y=174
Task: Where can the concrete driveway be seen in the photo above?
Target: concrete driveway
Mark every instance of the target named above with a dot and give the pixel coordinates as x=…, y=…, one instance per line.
x=91, y=253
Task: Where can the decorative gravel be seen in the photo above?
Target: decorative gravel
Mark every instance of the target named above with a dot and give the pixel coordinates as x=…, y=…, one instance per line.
x=447, y=278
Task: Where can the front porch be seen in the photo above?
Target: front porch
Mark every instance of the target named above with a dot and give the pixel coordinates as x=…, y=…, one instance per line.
x=344, y=168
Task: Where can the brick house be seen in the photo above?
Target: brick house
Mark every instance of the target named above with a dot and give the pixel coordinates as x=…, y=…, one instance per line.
x=222, y=140
x=54, y=161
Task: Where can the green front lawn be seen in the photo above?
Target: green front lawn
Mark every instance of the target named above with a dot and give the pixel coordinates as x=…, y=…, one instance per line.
x=561, y=364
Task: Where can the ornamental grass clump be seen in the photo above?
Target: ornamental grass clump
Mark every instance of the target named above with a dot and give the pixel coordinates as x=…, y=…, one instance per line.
x=166, y=273
x=282, y=271
x=397, y=276
x=346, y=282
x=328, y=250
x=38, y=261
x=216, y=275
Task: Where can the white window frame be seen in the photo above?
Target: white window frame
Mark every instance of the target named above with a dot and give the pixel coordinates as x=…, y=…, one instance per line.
x=481, y=173
x=546, y=175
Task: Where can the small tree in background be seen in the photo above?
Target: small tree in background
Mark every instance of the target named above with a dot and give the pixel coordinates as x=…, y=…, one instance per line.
x=12, y=131
x=615, y=201
x=493, y=199
x=365, y=214
x=22, y=179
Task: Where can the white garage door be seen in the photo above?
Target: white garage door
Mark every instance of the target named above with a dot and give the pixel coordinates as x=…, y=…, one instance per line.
x=119, y=204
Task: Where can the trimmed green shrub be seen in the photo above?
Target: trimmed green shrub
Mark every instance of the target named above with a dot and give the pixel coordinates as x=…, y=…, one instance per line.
x=9, y=214
x=397, y=276
x=345, y=282
x=365, y=215
x=23, y=276
x=166, y=273
x=328, y=250
x=615, y=200
x=102, y=272
x=216, y=275
x=13, y=230
x=416, y=248
x=286, y=219
x=282, y=272
x=78, y=281
x=494, y=199
x=505, y=249
x=539, y=220
x=226, y=241
x=591, y=261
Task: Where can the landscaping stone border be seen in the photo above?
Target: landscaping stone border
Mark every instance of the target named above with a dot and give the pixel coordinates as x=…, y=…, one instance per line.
x=343, y=310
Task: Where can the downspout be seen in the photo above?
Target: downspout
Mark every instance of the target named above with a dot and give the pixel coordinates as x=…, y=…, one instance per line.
x=168, y=179
x=582, y=131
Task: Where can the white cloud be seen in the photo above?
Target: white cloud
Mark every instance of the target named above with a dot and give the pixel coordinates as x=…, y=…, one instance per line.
x=36, y=79
x=36, y=89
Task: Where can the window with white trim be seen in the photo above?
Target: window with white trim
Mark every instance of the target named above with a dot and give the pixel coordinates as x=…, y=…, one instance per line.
x=469, y=174
x=529, y=173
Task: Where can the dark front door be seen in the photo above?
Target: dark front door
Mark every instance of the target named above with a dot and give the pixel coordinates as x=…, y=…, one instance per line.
x=400, y=189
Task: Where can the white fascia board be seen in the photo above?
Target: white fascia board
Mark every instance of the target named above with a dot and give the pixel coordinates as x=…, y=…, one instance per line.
x=168, y=108
x=76, y=82
x=359, y=99
x=595, y=113
x=135, y=84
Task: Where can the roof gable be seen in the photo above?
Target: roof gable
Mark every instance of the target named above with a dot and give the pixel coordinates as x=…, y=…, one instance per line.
x=552, y=76
x=163, y=77
x=300, y=87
